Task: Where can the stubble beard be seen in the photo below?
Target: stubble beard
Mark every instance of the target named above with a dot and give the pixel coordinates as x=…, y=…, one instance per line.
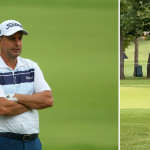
x=13, y=56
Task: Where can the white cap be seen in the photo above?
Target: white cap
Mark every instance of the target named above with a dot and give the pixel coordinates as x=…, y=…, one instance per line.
x=10, y=27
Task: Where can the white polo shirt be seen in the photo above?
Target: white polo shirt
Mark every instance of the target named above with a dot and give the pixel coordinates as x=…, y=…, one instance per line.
x=26, y=78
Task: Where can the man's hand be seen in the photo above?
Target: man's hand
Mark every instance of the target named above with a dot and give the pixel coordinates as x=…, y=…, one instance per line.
x=11, y=108
x=36, y=101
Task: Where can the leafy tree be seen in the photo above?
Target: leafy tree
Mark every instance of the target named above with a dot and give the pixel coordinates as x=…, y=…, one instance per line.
x=134, y=19
x=125, y=38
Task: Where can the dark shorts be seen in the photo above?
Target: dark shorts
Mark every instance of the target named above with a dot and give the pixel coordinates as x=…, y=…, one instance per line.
x=11, y=144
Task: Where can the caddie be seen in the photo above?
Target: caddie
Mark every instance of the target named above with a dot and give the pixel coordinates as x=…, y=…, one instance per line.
x=23, y=91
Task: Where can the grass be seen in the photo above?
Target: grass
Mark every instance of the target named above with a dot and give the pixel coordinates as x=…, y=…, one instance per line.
x=134, y=114
x=74, y=44
x=144, y=50
x=135, y=129
x=134, y=102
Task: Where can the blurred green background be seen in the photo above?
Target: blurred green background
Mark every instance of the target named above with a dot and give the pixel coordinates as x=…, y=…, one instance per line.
x=75, y=42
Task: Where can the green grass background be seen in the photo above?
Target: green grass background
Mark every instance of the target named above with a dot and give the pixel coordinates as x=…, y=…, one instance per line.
x=134, y=114
x=135, y=103
x=75, y=42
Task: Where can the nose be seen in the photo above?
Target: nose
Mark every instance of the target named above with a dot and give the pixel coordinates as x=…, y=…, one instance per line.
x=17, y=42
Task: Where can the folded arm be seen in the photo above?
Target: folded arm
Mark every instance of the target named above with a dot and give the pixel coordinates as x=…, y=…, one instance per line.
x=11, y=108
x=36, y=101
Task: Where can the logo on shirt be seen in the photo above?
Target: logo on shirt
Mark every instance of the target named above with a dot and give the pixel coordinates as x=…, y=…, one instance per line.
x=28, y=78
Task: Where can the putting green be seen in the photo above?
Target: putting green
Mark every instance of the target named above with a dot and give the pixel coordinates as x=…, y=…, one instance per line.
x=134, y=97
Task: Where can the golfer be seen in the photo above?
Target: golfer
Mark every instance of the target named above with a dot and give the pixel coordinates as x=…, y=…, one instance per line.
x=23, y=91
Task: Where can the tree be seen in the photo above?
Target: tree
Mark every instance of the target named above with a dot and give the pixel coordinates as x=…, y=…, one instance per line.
x=148, y=67
x=122, y=76
x=125, y=38
x=134, y=19
x=136, y=55
x=140, y=21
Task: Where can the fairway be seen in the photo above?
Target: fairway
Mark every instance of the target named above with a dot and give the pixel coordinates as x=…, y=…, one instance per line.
x=134, y=114
x=74, y=44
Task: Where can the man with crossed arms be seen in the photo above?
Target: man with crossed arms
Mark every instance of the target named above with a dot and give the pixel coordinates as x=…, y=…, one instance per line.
x=23, y=91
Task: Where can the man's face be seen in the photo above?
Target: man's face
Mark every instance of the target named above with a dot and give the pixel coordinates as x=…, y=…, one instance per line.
x=11, y=46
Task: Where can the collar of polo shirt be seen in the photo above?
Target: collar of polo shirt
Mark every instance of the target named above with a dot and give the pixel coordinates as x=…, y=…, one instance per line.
x=19, y=63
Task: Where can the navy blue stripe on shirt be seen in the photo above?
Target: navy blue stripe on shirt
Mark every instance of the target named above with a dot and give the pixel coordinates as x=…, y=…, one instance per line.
x=23, y=72
x=17, y=78
x=8, y=73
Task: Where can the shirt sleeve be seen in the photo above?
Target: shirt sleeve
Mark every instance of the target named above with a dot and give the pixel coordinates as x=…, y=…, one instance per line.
x=40, y=84
x=2, y=94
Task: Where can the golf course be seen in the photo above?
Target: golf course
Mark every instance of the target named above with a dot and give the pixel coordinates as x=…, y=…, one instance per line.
x=75, y=43
x=135, y=102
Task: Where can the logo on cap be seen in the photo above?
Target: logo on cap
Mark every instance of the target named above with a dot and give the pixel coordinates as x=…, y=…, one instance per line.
x=9, y=25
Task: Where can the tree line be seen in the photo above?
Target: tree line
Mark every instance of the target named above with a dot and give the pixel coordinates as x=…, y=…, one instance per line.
x=134, y=21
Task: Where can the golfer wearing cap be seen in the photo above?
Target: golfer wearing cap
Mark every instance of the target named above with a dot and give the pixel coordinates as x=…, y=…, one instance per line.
x=23, y=90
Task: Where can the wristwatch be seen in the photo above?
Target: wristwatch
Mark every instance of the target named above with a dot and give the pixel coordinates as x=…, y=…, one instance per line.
x=11, y=97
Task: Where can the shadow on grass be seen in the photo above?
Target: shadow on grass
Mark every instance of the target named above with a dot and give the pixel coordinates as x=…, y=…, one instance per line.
x=136, y=78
